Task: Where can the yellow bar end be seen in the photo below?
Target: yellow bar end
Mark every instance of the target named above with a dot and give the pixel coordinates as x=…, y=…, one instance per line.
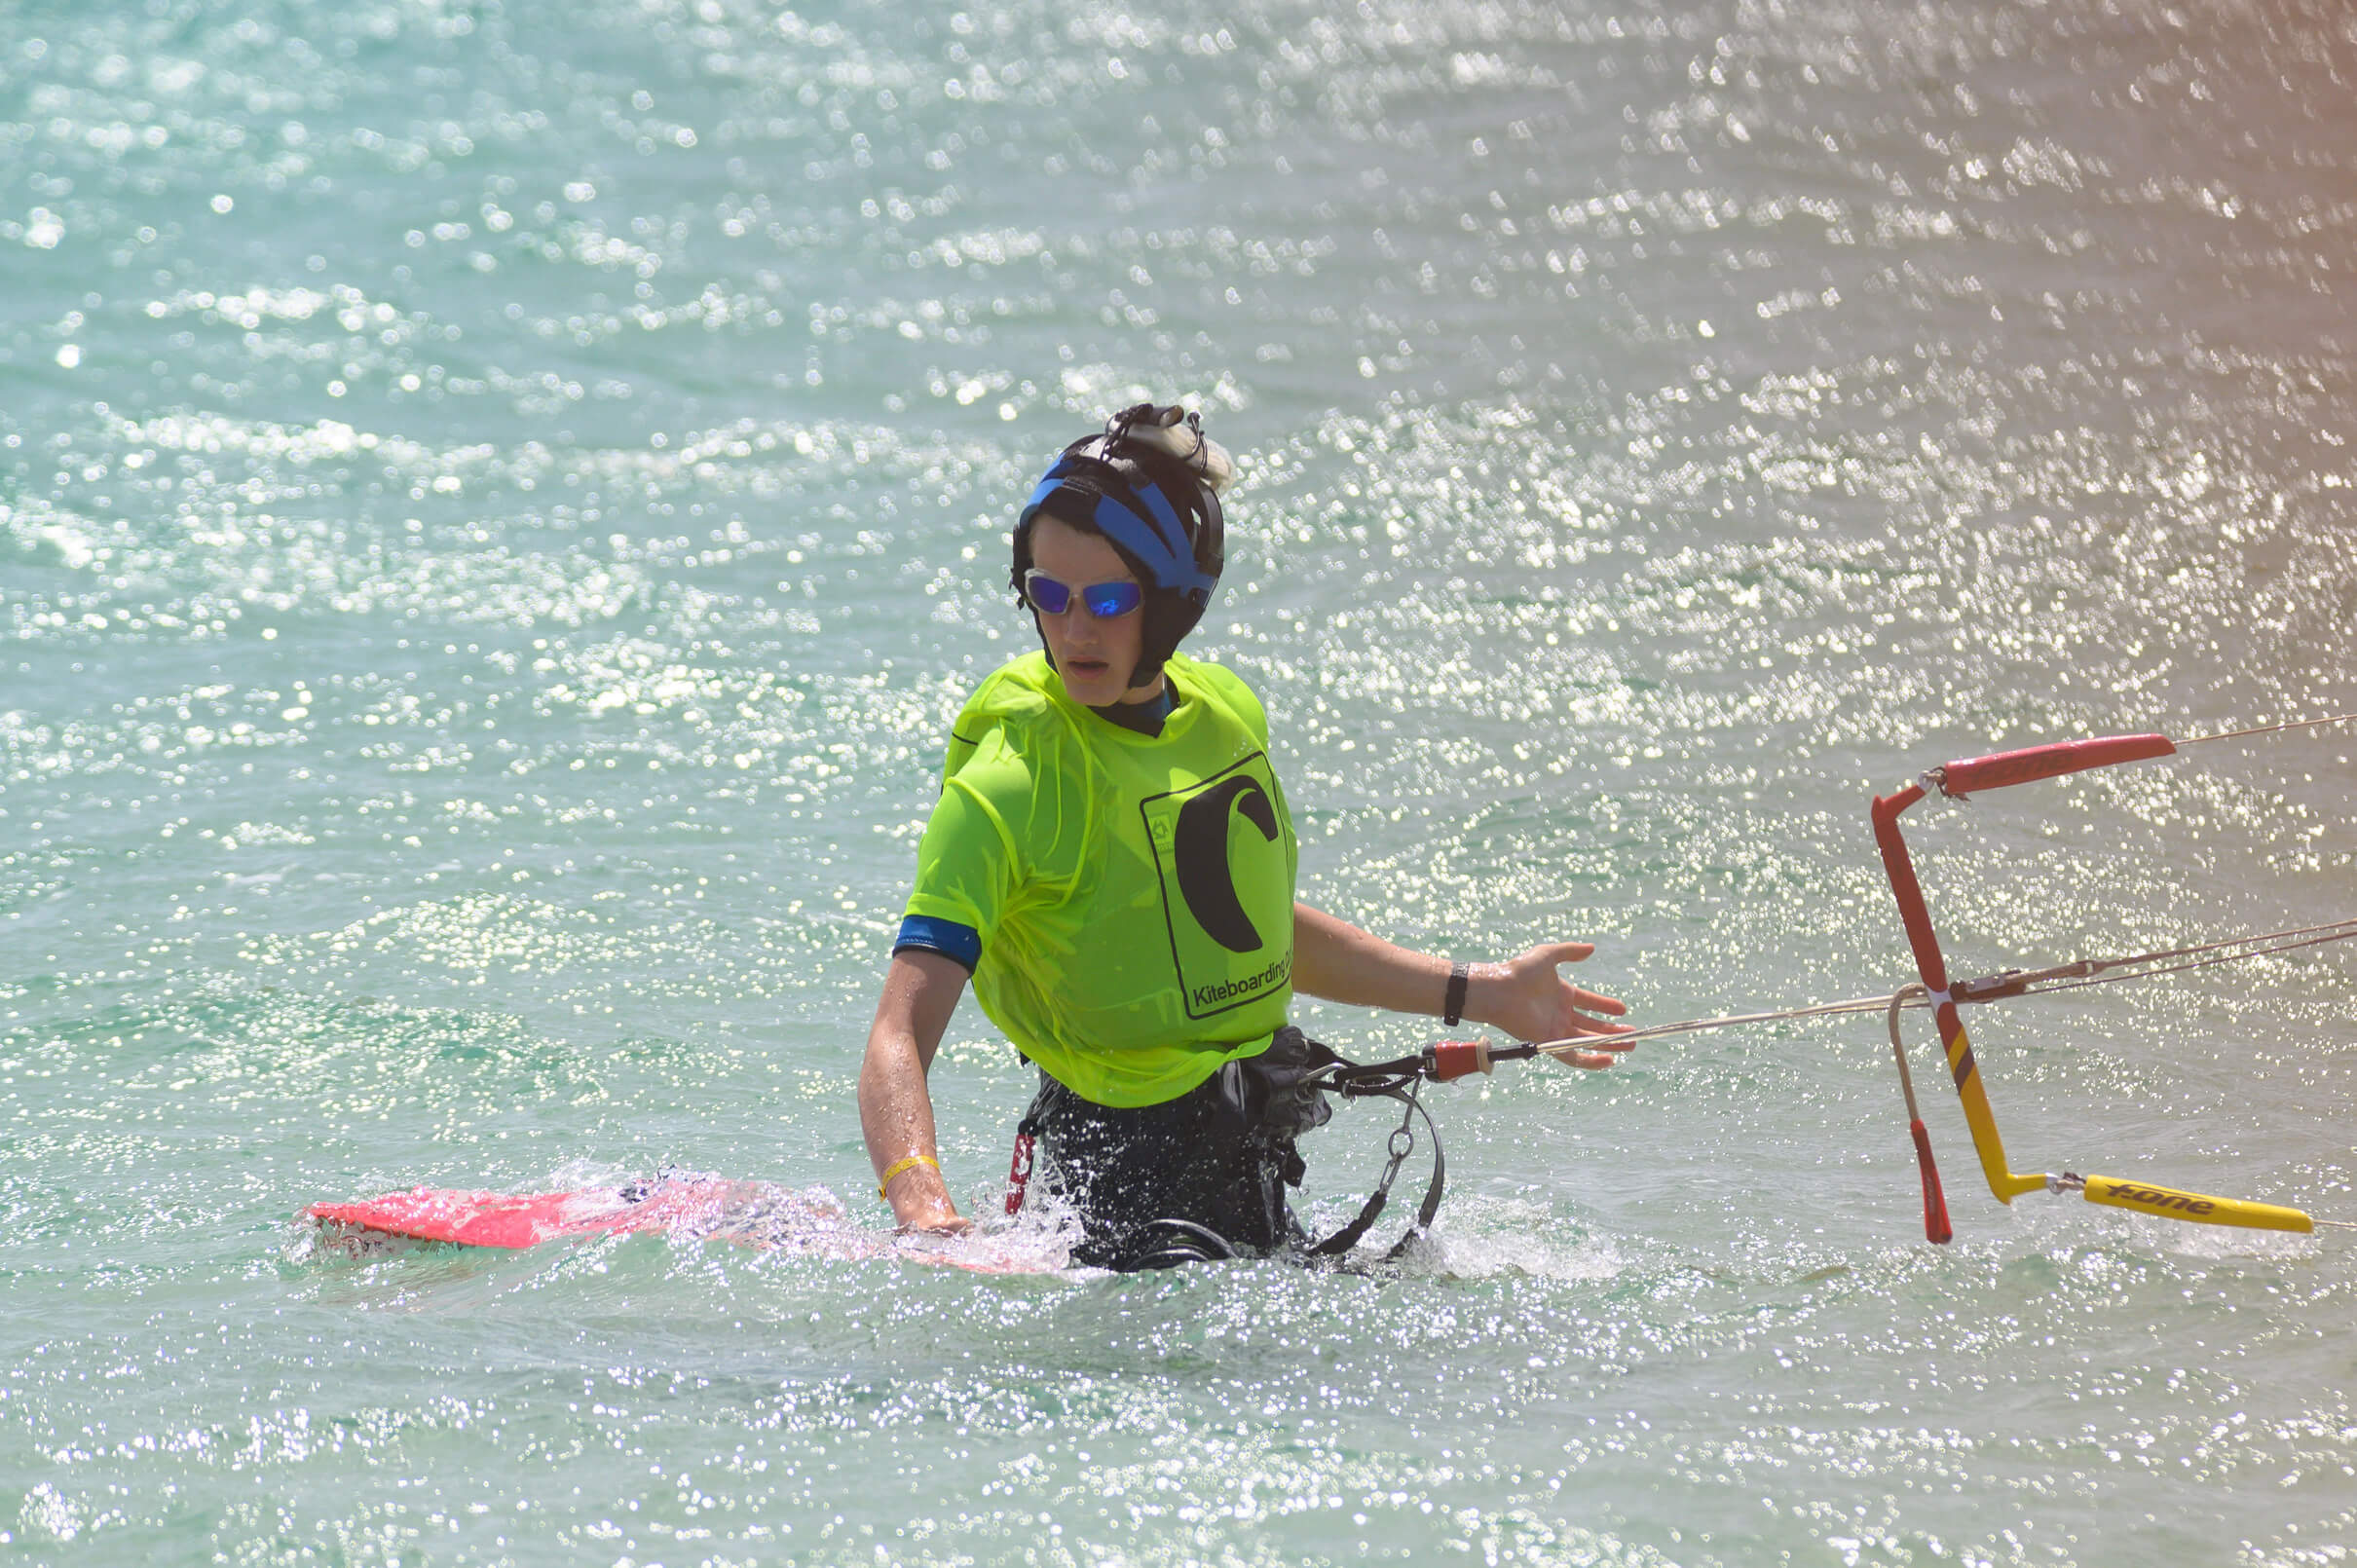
x=2198, y=1207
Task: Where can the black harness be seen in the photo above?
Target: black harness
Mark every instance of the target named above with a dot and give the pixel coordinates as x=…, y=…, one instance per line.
x=1278, y=1100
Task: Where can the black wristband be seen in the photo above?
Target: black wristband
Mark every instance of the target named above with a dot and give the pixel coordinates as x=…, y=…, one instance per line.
x=1454, y=1012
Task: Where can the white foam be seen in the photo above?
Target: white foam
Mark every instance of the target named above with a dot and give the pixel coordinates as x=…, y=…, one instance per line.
x=1482, y=1238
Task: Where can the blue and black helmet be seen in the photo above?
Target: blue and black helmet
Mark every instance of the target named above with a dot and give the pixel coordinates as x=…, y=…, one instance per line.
x=1149, y=485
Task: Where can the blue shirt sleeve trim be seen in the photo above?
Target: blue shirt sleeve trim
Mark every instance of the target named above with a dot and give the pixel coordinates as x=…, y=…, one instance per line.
x=958, y=943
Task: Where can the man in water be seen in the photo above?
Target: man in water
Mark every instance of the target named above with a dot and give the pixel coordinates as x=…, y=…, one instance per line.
x=1111, y=863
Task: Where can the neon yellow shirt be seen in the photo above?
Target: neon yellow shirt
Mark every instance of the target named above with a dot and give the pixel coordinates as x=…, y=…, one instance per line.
x=1133, y=893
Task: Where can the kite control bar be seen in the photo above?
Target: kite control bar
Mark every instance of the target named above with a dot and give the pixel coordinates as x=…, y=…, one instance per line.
x=1957, y=780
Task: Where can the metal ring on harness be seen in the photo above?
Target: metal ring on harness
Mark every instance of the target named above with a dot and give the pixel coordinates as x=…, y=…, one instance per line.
x=1392, y=1080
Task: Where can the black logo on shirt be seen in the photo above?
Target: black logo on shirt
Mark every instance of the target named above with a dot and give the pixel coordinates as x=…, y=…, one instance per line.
x=1226, y=867
x=1205, y=880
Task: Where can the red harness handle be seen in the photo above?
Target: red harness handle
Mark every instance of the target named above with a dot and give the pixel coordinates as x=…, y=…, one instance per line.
x=1019, y=1173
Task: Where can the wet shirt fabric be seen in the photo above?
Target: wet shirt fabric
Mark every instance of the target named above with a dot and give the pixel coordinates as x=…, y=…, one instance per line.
x=1133, y=893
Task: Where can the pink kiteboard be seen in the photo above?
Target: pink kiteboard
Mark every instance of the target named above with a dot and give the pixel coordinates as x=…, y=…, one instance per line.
x=807, y=1220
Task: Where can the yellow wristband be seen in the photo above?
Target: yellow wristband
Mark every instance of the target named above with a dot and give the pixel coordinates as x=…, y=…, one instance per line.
x=900, y=1165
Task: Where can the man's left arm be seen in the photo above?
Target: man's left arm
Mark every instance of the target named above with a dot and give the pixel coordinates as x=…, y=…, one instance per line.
x=1523, y=996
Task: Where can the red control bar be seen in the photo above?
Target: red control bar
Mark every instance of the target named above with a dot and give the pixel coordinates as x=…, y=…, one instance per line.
x=2032, y=763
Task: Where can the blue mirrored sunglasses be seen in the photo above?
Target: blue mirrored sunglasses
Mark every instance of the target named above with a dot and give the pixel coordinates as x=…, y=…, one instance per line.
x=1106, y=601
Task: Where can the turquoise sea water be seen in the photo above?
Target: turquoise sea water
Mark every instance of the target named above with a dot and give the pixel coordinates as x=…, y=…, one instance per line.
x=499, y=502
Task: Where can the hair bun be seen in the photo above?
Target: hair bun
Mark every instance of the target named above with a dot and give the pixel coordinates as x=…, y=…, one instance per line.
x=1171, y=432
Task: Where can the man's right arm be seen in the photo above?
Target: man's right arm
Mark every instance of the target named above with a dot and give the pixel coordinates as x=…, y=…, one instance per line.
x=895, y=1108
